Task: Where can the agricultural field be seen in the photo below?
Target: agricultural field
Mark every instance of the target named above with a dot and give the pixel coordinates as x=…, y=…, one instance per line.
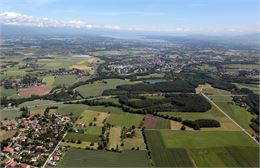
x=48, y=80
x=202, y=148
x=10, y=93
x=135, y=142
x=237, y=113
x=88, y=64
x=91, y=158
x=9, y=114
x=253, y=87
x=114, y=138
x=125, y=119
x=206, y=67
x=34, y=90
x=112, y=100
x=75, y=109
x=166, y=157
x=82, y=136
x=97, y=88
x=242, y=66
x=66, y=80
x=153, y=122
x=209, y=90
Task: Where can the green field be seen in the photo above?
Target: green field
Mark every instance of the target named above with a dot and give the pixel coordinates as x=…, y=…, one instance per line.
x=215, y=148
x=36, y=103
x=237, y=113
x=87, y=116
x=253, y=87
x=10, y=115
x=10, y=93
x=114, y=138
x=112, y=100
x=125, y=119
x=49, y=80
x=242, y=66
x=106, y=109
x=93, y=130
x=97, y=88
x=162, y=123
x=75, y=109
x=166, y=157
x=91, y=158
x=66, y=80
x=82, y=137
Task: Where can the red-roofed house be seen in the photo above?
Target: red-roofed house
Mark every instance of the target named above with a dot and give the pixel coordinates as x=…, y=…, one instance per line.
x=24, y=165
x=8, y=150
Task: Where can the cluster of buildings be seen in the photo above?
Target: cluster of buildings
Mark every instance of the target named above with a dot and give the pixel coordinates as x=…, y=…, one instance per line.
x=36, y=137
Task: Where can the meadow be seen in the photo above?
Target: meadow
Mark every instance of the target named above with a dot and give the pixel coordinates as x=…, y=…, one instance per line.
x=66, y=80
x=97, y=88
x=92, y=158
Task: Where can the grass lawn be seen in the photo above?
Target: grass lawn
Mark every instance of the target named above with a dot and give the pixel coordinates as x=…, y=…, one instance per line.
x=100, y=158
x=125, y=119
x=97, y=88
x=49, y=80
x=66, y=80
x=114, y=138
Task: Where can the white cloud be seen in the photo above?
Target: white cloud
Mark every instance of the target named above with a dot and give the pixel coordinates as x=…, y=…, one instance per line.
x=13, y=18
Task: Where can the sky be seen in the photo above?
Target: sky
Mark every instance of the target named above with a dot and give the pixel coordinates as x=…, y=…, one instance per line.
x=213, y=16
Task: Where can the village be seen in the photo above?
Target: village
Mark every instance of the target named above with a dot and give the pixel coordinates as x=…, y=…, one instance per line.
x=34, y=141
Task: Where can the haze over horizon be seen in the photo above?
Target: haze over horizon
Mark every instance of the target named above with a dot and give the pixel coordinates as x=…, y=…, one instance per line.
x=160, y=16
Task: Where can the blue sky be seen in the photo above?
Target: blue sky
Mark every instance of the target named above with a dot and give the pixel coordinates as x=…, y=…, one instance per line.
x=187, y=15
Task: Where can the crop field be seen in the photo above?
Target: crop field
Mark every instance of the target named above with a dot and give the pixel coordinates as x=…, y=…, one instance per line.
x=97, y=88
x=206, y=67
x=49, y=80
x=66, y=80
x=93, y=130
x=214, y=148
x=10, y=115
x=87, y=117
x=10, y=93
x=135, y=142
x=83, y=137
x=87, y=64
x=162, y=123
x=34, y=90
x=114, y=138
x=237, y=113
x=100, y=158
x=154, y=75
x=125, y=119
x=166, y=157
x=75, y=109
x=150, y=121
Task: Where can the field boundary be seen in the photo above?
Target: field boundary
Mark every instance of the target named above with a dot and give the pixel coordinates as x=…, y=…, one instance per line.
x=227, y=116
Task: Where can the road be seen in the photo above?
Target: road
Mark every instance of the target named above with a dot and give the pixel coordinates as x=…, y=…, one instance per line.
x=228, y=116
x=53, y=151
